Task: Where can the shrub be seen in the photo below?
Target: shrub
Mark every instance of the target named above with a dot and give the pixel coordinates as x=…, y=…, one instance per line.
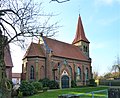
x=20, y=94
x=38, y=85
x=49, y=83
x=27, y=88
x=92, y=82
x=45, y=89
x=73, y=83
x=53, y=84
x=11, y=83
x=8, y=84
x=110, y=82
x=45, y=82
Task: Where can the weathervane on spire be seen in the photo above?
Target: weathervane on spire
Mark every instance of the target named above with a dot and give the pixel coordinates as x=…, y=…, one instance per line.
x=79, y=11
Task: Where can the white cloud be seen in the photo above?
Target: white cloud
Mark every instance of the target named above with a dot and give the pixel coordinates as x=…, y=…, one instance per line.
x=108, y=21
x=97, y=46
x=106, y=2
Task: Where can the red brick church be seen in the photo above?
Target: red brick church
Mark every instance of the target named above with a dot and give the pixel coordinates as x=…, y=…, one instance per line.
x=60, y=61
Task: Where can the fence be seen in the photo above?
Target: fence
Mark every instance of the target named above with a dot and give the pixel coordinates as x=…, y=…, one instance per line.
x=93, y=94
x=114, y=92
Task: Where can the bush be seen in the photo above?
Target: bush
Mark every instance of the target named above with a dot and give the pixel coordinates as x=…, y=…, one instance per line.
x=45, y=82
x=53, y=84
x=27, y=88
x=20, y=94
x=38, y=85
x=110, y=82
x=92, y=82
x=45, y=89
x=8, y=84
x=73, y=83
x=11, y=83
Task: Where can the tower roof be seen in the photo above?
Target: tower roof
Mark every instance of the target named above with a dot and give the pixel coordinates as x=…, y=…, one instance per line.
x=80, y=34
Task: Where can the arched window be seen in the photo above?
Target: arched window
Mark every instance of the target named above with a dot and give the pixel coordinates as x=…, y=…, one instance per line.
x=42, y=72
x=86, y=49
x=70, y=70
x=87, y=73
x=32, y=73
x=78, y=73
x=58, y=64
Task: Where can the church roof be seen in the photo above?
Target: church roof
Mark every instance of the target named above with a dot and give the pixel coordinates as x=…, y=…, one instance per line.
x=62, y=49
x=80, y=34
x=58, y=48
x=7, y=57
x=34, y=50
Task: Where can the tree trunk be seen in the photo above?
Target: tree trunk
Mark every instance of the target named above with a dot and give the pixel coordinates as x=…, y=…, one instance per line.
x=5, y=86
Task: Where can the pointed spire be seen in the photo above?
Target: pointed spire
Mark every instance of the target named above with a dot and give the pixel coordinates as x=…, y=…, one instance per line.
x=80, y=34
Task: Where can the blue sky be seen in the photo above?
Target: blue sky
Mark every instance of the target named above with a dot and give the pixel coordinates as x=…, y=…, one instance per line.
x=101, y=21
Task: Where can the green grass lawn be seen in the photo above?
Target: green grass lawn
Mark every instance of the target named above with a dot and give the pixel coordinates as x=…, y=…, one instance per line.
x=82, y=90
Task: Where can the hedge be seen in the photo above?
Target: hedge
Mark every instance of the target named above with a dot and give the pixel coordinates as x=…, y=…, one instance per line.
x=109, y=82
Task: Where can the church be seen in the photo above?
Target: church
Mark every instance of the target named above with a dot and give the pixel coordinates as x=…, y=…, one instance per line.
x=59, y=61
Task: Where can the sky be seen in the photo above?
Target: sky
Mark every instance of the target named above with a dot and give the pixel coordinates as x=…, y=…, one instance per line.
x=101, y=22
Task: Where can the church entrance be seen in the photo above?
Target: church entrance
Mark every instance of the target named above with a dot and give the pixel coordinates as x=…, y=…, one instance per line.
x=65, y=81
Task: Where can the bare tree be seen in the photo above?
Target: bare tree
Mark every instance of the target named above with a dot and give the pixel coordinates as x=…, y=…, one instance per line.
x=20, y=19
x=60, y=1
x=23, y=19
x=116, y=67
x=95, y=75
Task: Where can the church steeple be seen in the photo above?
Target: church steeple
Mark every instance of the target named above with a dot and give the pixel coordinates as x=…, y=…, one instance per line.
x=80, y=34
x=80, y=39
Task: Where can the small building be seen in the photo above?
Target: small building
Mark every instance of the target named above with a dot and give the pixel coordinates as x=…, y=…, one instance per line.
x=7, y=59
x=59, y=61
x=16, y=78
x=8, y=62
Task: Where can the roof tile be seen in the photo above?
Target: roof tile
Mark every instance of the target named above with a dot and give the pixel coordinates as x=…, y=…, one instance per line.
x=60, y=49
x=34, y=50
x=66, y=50
x=7, y=57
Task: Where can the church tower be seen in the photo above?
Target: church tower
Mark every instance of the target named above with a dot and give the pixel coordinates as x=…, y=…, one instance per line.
x=80, y=39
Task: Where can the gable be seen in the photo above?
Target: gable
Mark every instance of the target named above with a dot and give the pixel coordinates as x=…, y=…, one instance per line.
x=34, y=50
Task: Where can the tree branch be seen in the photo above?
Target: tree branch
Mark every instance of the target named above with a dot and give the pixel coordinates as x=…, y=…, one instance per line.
x=60, y=1
x=9, y=10
x=9, y=24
